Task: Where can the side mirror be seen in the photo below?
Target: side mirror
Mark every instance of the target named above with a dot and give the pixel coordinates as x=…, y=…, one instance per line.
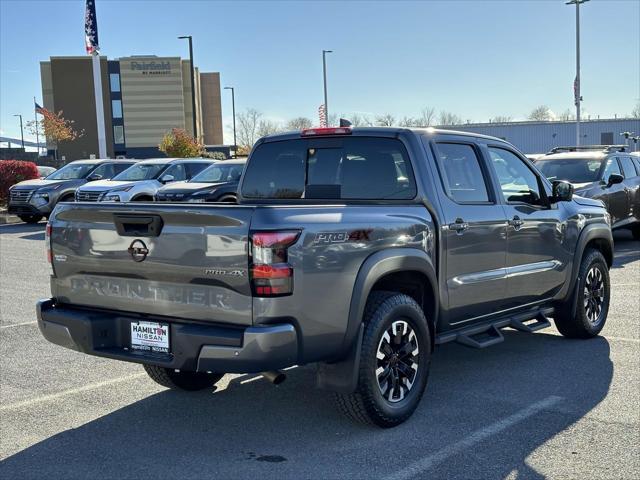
x=93, y=178
x=562, y=191
x=167, y=178
x=614, y=178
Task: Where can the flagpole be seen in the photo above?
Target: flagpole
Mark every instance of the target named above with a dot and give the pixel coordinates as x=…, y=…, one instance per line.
x=97, y=86
x=35, y=115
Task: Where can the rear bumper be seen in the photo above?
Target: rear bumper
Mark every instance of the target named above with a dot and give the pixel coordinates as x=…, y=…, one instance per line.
x=193, y=347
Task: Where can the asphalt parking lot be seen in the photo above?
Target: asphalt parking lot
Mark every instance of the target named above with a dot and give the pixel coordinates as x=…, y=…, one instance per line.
x=535, y=406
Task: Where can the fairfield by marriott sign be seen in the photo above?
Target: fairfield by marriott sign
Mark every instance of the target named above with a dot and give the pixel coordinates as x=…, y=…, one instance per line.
x=152, y=67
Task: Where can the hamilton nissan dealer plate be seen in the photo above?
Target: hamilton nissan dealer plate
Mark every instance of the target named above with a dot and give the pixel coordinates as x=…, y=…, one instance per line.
x=150, y=336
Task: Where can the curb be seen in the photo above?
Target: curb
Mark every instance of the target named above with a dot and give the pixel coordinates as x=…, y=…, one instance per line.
x=5, y=218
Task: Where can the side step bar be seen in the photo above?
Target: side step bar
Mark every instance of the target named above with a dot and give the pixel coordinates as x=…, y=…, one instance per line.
x=489, y=334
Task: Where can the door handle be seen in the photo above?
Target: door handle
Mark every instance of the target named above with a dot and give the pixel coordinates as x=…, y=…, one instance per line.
x=516, y=222
x=459, y=225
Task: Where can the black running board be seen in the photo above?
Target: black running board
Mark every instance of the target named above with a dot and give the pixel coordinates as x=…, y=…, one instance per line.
x=489, y=334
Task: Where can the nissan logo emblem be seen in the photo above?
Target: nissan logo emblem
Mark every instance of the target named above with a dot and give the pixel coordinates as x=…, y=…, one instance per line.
x=138, y=250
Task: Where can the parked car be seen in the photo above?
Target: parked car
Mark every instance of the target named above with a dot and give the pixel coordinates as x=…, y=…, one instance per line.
x=45, y=171
x=357, y=249
x=32, y=200
x=217, y=183
x=142, y=180
x=604, y=172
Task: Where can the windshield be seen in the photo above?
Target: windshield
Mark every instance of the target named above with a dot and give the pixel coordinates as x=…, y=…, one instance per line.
x=72, y=171
x=574, y=170
x=219, y=173
x=141, y=171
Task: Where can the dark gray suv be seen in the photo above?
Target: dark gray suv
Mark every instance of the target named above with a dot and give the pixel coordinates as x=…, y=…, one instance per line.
x=32, y=200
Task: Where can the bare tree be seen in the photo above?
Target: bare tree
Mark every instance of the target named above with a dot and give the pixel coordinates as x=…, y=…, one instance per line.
x=360, y=120
x=567, y=115
x=299, y=123
x=247, y=127
x=427, y=117
x=501, y=119
x=635, y=113
x=386, y=120
x=448, y=118
x=409, y=122
x=267, y=127
x=541, y=113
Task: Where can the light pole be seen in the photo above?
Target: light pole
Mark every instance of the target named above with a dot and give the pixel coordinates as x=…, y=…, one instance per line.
x=576, y=85
x=233, y=108
x=324, y=74
x=193, y=84
x=21, y=130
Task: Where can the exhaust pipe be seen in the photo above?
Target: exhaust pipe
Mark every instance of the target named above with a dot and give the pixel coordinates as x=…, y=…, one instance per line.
x=274, y=376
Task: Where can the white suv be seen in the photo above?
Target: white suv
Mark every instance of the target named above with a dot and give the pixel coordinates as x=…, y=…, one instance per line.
x=141, y=181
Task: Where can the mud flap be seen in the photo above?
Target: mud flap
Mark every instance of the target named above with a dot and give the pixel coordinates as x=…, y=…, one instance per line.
x=342, y=376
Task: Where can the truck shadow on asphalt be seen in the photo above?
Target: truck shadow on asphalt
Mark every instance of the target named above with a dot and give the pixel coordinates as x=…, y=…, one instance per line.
x=33, y=231
x=294, y=431
x=626, y=249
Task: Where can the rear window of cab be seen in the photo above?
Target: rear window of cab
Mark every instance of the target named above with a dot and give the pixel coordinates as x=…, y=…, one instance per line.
x=355, y=168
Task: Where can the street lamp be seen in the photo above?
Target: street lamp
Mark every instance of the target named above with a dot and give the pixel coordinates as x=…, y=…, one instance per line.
x=324, y=74
x=193, y=84
x=21, y=130
x=576, y=85
x=233, y=107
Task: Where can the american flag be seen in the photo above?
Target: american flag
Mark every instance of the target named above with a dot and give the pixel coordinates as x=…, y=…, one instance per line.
x=91, y=28
x=39, y=109
x=322, y=115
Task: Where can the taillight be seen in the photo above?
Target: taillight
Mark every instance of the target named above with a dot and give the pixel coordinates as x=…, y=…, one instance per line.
x=47, y=242
x=271, y=274
x=313, y=132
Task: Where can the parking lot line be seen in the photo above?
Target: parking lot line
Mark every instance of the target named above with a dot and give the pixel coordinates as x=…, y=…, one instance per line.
x=18, y=324
x=425, y=463
x=71, y=391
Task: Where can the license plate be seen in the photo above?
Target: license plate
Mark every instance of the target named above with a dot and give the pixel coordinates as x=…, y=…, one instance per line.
x=150, y=336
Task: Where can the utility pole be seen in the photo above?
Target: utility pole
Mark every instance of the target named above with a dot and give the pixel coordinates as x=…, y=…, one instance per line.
x=21, y=130
x=36, y=125
x=324, y=74
x=233, y=108
x=193, y=84
x=576, y=84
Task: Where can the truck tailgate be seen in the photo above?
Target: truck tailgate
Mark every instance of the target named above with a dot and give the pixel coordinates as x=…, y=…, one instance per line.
x=179, y=261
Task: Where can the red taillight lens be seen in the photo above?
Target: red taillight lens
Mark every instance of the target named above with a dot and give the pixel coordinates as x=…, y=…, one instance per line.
x=312, y=132
x=271, y=247
x=47, y=242
x=271, y=275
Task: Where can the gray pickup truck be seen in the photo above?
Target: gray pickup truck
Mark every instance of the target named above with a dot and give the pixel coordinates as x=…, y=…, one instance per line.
x=355, y=249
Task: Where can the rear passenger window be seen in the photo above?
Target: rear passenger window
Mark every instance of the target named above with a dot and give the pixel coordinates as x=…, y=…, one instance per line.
x=355, y=168
x=461, y=173
x=636, y=162
x=627, y=167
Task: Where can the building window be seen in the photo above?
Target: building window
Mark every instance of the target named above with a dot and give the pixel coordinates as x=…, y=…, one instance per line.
x=118, y=134
x=116, y=108
x=606, y=138
x=114, y=80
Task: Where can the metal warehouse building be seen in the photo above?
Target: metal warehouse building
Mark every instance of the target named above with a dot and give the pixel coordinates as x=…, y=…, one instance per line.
x=540, y=137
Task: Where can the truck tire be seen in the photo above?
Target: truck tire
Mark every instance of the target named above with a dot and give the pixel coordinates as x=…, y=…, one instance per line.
x=394, y=362
x=191, y=381
x=30, y=218
x=585, y=313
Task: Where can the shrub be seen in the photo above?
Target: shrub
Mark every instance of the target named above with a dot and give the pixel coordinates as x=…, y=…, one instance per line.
x=215, y=155
x=12, y=172
x=178, y=143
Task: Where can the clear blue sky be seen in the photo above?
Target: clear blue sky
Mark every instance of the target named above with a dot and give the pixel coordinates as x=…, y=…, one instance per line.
x=477, y=59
